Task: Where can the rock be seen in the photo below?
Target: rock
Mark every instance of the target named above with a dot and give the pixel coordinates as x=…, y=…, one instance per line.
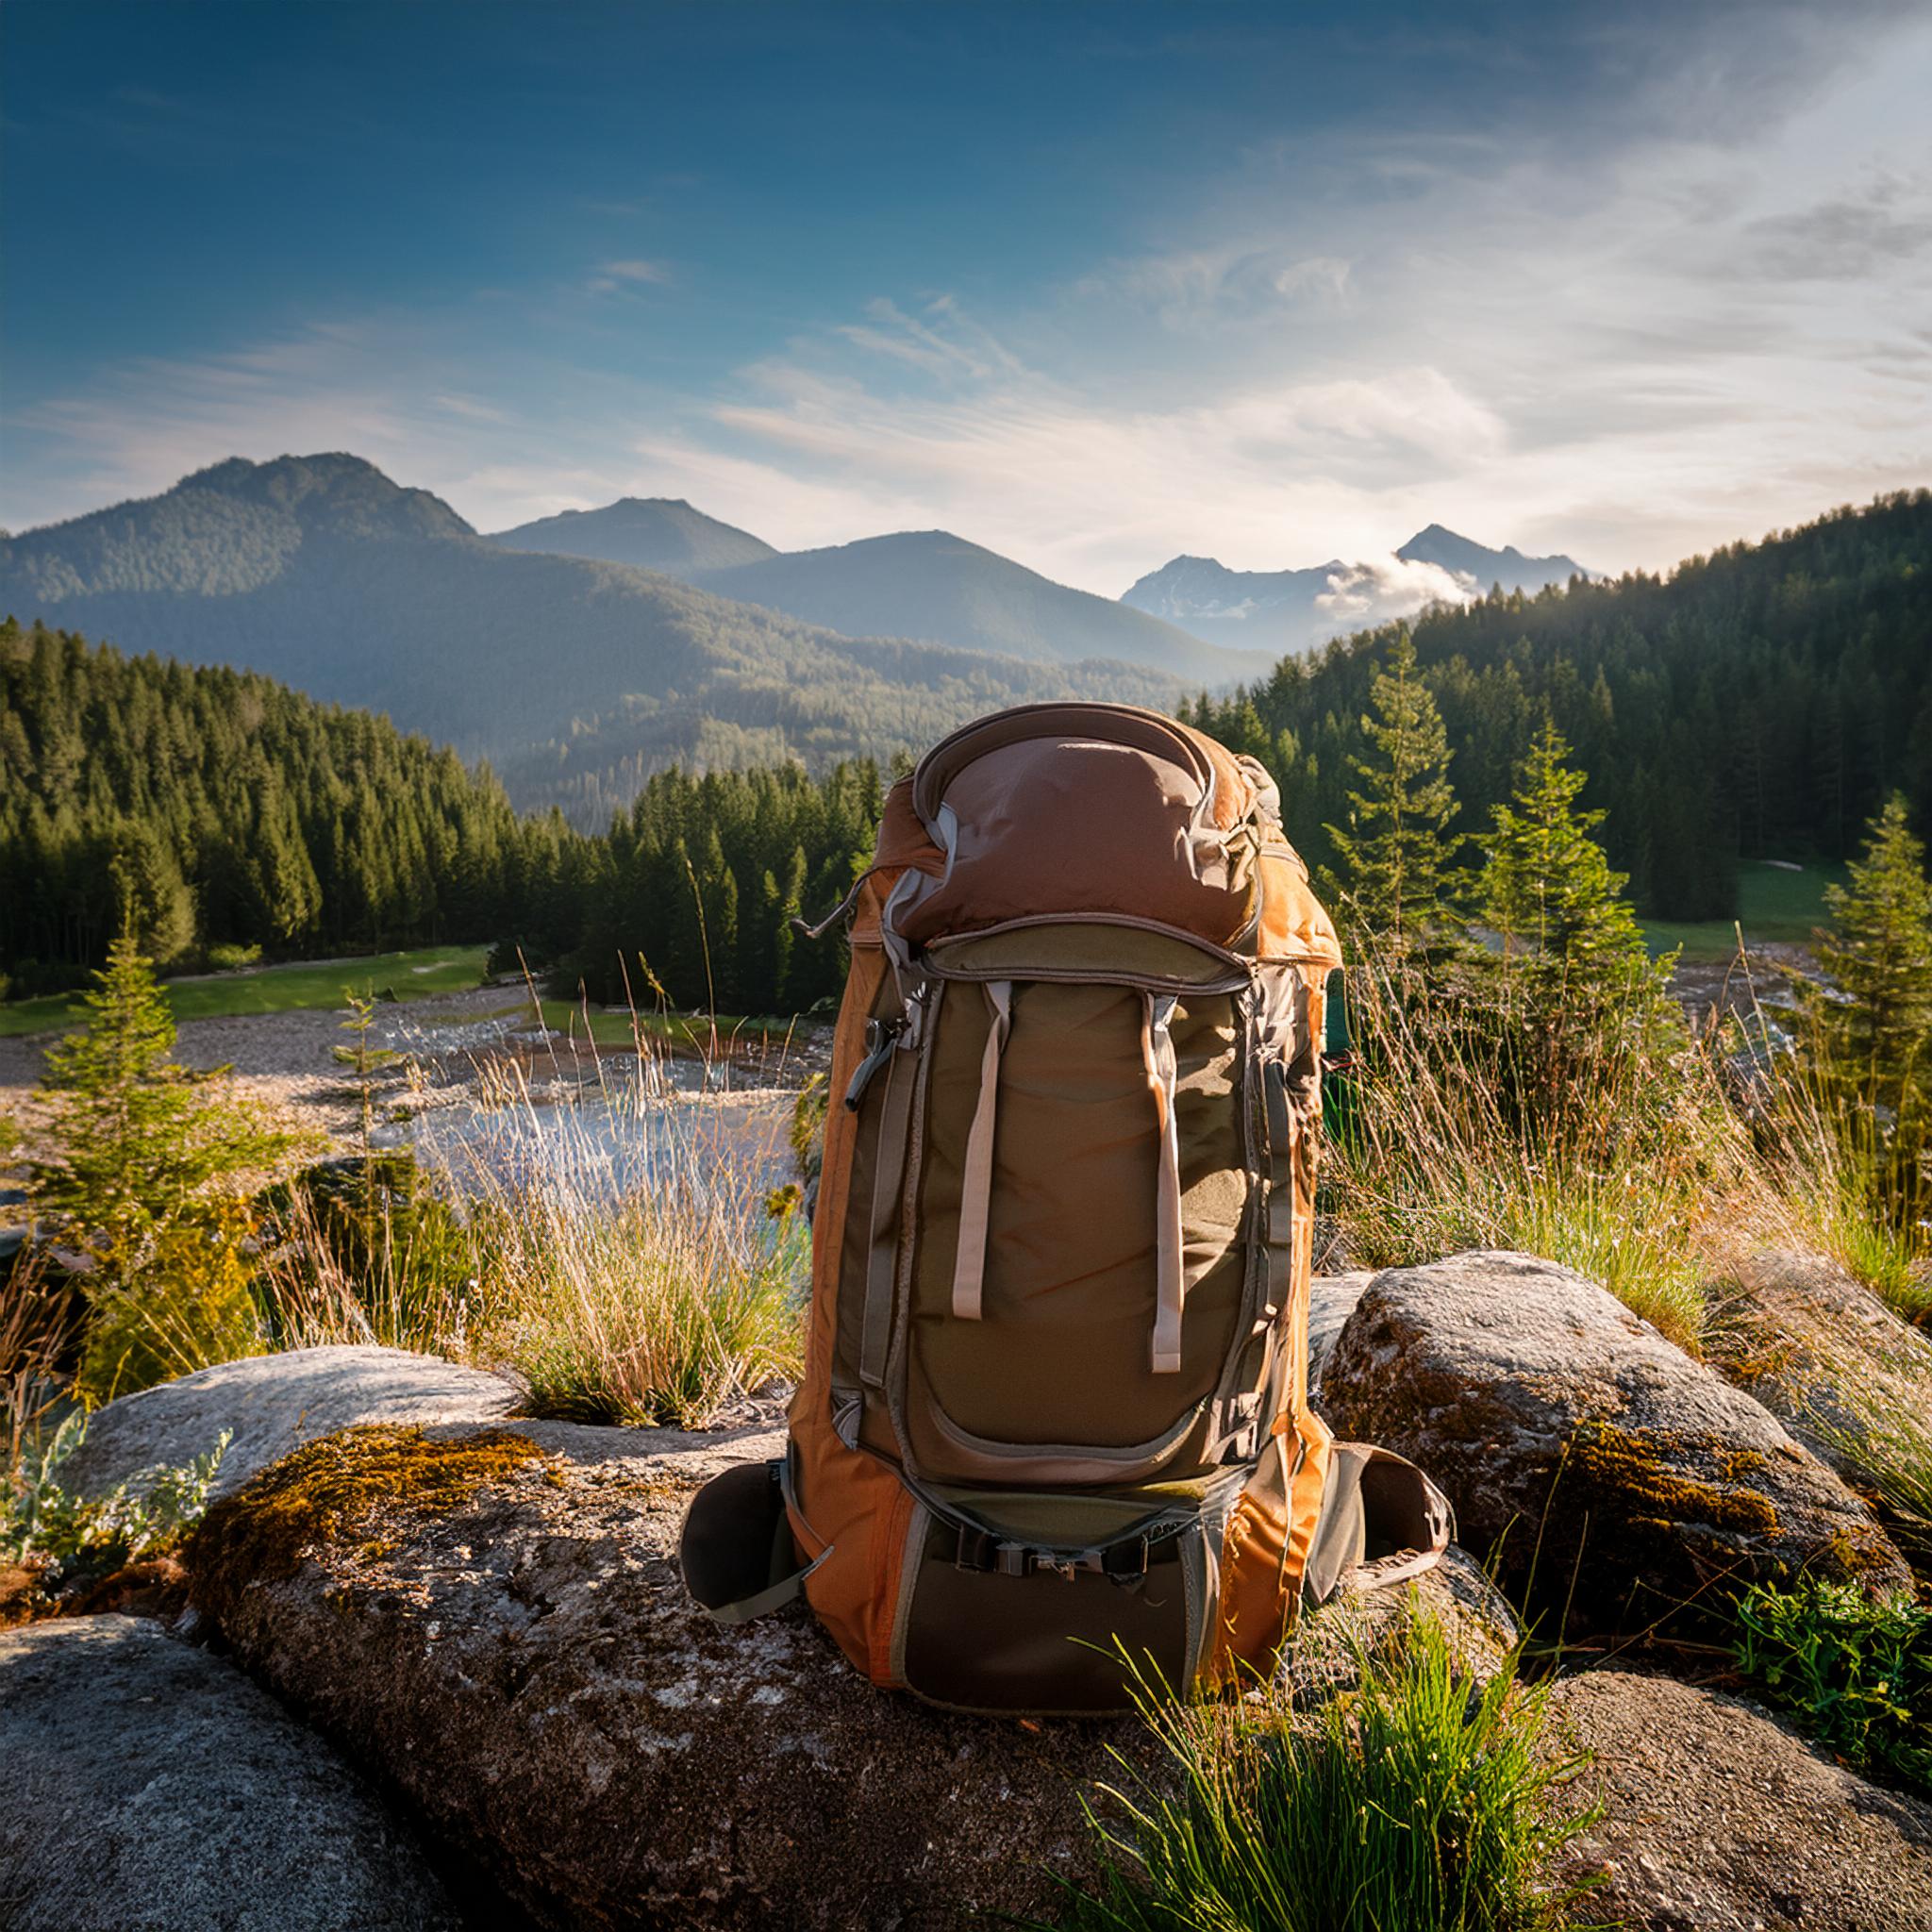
x=525, y=1659
x=1332, y=1300
x=1827, y=1358
x=496, y=1617
x=273, y=1403
x=1721, y=1819
x=1331, y=1641
x=1600, y=1455
x=152, y=1787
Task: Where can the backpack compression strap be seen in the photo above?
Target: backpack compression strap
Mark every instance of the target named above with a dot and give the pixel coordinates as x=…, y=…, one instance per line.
x=1169, y=1287
x=976, y=1187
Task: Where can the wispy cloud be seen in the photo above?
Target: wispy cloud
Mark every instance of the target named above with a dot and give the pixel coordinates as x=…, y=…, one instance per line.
x=628, y=272
x=1627, y=352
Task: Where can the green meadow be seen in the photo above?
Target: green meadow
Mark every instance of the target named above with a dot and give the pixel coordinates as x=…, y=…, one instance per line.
x=409, y=976
x=1775, y=903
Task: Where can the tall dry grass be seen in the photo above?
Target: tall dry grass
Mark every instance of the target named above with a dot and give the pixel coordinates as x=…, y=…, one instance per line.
x=616, y=1255
x=40, y=1323
x=1487, y=1110
x=1824, y=1161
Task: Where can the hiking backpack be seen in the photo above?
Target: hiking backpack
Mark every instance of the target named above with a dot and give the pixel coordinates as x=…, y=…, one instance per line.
x=1053, y=1434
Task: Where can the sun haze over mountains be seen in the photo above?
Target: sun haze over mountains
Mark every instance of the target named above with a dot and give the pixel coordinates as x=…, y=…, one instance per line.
x=684, y=635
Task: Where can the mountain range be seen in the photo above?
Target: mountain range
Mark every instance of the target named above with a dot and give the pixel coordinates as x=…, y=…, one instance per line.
x=576, y=676
x=932, y=585
x=583, y=651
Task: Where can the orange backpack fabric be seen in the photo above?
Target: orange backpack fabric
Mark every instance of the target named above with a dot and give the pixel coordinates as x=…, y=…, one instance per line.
x=1053, y=1432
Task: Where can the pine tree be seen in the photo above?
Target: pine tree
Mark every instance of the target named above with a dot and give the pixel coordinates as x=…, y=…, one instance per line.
x=1870, y=1038
x=1878, y=953
x=790, y=905
x=1548, y=887
x=1398, y=850
x=139, y=1142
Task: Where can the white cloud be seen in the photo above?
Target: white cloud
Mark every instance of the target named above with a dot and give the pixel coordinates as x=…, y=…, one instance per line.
x=1391, y=587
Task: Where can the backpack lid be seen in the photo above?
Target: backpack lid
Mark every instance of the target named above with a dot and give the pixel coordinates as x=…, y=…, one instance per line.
x=1084, y=810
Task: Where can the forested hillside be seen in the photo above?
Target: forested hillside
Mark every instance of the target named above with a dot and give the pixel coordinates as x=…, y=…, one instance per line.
x=230, y=809
x=1758, y=703
x=892, y=698
x=224, y=808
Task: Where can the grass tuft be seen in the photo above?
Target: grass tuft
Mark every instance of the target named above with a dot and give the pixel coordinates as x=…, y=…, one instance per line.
x=619, y=1261
x=1419, y=1801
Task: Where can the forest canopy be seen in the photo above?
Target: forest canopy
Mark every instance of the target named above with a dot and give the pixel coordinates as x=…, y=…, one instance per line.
x=1758, y=703
x=1762, y=702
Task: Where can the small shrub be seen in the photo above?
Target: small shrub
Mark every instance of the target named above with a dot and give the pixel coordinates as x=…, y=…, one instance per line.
x=190, y=1306
x=223, y=958
x=146, y=1516
x=145, y=1171
x=1415, y=1803
x=1854, y=1671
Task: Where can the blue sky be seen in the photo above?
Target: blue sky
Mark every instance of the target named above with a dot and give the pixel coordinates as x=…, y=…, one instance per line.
x=1093, y=284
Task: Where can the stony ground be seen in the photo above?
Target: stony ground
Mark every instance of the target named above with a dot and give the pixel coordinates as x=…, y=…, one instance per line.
x=285, y=1062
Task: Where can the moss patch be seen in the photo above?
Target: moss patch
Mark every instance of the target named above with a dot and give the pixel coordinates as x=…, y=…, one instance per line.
x=334, y=1490
x=1627, y=1467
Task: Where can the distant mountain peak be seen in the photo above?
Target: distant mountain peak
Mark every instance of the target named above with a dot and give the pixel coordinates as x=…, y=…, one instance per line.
x=228, y=529
x=660, y=533
x=1437, y=543
x=332, y=493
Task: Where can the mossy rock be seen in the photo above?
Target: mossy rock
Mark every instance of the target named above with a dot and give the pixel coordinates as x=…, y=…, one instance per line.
x=1607, y=1473
x=355, y=1488
x=498, y=1623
